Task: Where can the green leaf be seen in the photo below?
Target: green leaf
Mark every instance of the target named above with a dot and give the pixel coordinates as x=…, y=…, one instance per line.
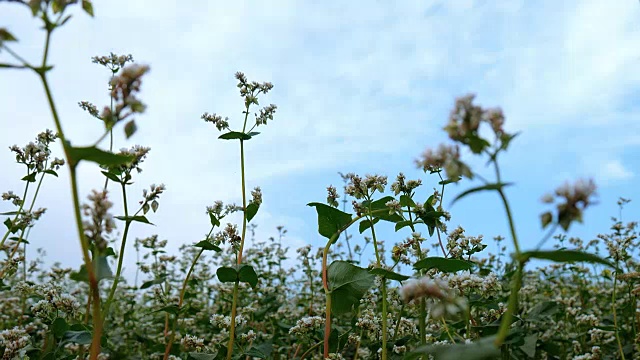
x=5, y=35
x=407, y=201
x=30, y=178
x=546, y=219
x=496, y=186
x=9, y=224
x=102, y=270
x=111, y=176
x=59, y=327
x=262, y=351
x=542, y=310
x=159, y=280
x=171, y=309
x=565, y=256
x=330, y=219
x=365, y=224
x=137, y=218
x=10, y=213
x=403, y=224
x=483, y=349
x=379, y=205
x=248, y=275
x=252, y=210
x=82, y=337
x=214, y=220
x=35, y=6
x=227, y=274
x=130, y=127
x=88, y=8
x=449, y=181
x=93, y=154
x=388, y=274
x=505, y=139
x=207, y=245
x=201, y=356
x=4, y=286
x=51, y=172
x=529, y=346
x=347, y=284
x=235, y=135
x=443, y=264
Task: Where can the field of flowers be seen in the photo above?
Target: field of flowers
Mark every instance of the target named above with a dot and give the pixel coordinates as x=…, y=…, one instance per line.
x=437, y=294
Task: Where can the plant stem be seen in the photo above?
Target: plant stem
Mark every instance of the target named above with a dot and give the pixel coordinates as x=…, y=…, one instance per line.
x=93, y=282
x=383, y=288
x=182, y=292
x=127, y=224
x=615, y=317
x=232, y=328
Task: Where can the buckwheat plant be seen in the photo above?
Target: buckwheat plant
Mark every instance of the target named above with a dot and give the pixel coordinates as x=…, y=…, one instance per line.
x=249, y=91
x=53, y=15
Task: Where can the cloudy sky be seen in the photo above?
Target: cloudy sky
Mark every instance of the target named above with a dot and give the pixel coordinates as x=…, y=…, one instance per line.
x=360, y=87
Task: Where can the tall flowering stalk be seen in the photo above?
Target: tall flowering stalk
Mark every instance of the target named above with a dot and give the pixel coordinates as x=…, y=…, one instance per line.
x=249, y=92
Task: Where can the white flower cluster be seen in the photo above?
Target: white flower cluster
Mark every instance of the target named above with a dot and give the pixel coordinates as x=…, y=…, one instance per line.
x=465, y=282
x=13, y=340
x=224, y=322
x=307, y=324
x=53, y=303
x=191, y=342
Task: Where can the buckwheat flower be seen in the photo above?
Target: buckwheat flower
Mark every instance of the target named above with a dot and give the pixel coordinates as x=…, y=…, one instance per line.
x=265, y=114
x=446, y=157
x=14, y=198
x=100, y=222
x=56, y=164
x=13, y=340
x=191, y=343
x=11, y=265
x=464, y=119
x=256, y=195
x=306, y=325
x=334, y=356
x=112, y=61
x=332, y=196
x=495, y=118
x=44, y=310
x=216, y=120
x=577, y=198
x=67, y=304
x=424, y=287
x=249, y=336
x=358, y=208
x=90, y=108
x=394, y=206
x=399, y=349
x=138, y=153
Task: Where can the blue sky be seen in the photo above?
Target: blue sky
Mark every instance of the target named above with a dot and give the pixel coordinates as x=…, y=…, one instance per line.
x=360, y=87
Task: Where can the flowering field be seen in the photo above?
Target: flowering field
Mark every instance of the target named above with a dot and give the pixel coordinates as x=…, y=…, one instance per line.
x=435, y=294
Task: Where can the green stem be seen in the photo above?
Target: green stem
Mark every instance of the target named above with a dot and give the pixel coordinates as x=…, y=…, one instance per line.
x=615, y=317
x=234, y=305
x=232, y=328
x=15, y=218
x=517, y=282
x=182, y=292
x=116, y=280
x=383, y=288
x=93, y=282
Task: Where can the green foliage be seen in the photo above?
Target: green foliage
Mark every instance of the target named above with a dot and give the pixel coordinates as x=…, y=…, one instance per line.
x=347, y=284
